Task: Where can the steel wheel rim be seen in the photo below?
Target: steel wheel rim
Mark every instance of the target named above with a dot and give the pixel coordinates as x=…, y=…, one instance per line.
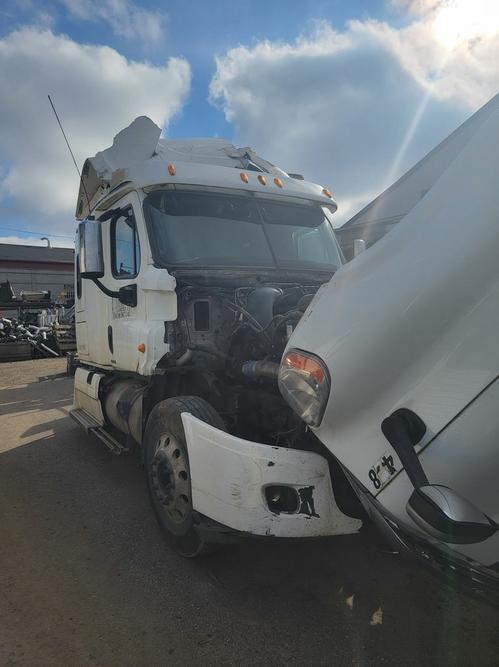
x=170, y=480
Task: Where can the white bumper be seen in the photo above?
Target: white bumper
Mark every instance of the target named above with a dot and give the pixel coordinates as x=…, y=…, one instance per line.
x=229, y=476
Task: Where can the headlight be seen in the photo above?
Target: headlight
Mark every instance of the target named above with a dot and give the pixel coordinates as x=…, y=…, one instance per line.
x=304, y=384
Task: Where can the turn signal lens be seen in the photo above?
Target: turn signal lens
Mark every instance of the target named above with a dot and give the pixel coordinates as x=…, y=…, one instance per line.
x=172, y=169
x=141, y=347
x=262, y=179
x=304, y=364
x=327, y=192
x=244, y=177
x=304, y=384
x=278, y=182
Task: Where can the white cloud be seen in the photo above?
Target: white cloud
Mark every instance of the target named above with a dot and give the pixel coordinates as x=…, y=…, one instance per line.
x=353, y=109
x=417, y=7
x=125, y=17
x=97, y=92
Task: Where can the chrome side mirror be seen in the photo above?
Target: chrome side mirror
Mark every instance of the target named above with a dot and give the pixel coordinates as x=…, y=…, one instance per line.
x=359, y=245
x=445, y=515
x=91, y=256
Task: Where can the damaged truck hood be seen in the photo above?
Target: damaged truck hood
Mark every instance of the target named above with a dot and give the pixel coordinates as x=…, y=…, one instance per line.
x=412, y=322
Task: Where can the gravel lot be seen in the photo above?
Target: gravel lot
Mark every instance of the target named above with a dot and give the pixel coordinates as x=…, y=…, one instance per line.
x=87, y=579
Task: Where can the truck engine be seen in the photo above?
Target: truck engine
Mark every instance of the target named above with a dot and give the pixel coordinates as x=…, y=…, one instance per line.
x=226, y=346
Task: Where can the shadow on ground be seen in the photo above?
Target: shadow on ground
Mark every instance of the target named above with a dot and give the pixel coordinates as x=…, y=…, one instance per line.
x=87, y=578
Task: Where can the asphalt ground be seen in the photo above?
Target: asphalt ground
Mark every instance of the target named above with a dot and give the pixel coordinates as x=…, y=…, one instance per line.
x=86, y=577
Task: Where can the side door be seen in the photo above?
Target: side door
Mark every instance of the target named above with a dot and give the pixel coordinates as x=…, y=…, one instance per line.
x=126, y=261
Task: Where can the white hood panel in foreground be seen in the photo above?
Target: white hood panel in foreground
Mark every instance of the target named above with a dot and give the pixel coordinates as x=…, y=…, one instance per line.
x=414, y=321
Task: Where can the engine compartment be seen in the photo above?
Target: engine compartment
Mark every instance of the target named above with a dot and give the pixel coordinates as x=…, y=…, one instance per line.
x=225, y=346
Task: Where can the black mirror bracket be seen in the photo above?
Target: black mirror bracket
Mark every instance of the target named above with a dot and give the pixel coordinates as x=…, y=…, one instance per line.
x=404, y=429
x=126, y=295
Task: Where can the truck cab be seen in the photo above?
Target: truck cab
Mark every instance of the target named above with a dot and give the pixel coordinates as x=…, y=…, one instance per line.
x=195, y=261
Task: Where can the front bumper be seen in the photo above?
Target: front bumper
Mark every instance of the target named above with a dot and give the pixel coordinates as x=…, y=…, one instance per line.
x=229, y=476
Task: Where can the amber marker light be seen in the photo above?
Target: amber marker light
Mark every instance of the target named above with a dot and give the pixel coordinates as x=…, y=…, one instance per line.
x=172, y=169
x=327, y=192
x=278, y=182
x=244, y=177
x=141, y=347
x=306, y=365
x=262, y=179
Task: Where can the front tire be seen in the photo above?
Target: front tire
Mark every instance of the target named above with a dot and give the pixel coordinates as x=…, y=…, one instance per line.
x=168, y=472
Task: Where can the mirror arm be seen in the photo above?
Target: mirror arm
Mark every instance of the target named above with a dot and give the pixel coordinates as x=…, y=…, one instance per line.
x=404, y=429
x=126, y=295
x=103, y=288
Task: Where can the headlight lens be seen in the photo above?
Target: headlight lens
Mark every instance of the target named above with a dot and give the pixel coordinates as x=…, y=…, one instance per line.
x=304, y=384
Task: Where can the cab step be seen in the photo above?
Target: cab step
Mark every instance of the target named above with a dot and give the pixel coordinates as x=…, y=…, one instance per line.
x=92, y=426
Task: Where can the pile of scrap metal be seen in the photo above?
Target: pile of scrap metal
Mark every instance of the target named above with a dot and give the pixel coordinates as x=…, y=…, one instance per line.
x=64, y=330
x=41, y=327
x=22, y=340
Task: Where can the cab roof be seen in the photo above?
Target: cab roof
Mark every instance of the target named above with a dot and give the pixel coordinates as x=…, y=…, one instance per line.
x=140, y=158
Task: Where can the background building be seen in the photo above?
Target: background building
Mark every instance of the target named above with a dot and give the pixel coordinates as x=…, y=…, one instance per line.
x=36, y=268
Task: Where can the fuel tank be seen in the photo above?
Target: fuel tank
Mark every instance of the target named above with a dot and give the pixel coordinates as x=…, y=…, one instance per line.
x=123, y=406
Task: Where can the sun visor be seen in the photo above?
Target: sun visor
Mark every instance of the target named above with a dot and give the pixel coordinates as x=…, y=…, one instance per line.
x=135, y=143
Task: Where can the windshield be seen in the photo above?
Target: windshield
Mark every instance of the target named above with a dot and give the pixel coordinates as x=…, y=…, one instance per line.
x=219, y=230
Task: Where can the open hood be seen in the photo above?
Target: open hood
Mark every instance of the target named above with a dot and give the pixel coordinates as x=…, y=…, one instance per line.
x=412, y=322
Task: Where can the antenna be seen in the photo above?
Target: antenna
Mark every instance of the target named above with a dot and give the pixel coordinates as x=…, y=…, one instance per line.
x=71, y=153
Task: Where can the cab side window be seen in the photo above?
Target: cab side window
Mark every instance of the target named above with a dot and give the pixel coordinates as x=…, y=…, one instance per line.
x=125, y=247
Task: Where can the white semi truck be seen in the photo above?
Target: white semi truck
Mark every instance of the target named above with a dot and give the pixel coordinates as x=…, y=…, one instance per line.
x=405, y=339
x=194, y=263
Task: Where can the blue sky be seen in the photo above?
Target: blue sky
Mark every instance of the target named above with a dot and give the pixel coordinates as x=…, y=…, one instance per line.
x=201, y=30
x=350, y=93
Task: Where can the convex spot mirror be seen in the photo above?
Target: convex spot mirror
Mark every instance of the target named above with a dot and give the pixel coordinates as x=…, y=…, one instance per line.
x=91, y=257
x=444, y=514
x=127, y=295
